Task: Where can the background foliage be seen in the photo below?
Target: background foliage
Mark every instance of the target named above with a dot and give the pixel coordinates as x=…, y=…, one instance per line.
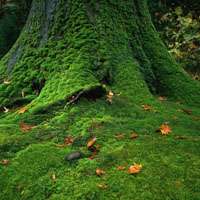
x=179, y=25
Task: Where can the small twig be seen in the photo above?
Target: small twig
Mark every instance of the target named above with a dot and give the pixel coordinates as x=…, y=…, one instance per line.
x=74, y=98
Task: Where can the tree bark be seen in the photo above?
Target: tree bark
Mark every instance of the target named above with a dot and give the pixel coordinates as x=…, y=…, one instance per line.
x=71, y=46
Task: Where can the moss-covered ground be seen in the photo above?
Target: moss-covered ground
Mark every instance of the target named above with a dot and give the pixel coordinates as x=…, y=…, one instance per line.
x=37, y=169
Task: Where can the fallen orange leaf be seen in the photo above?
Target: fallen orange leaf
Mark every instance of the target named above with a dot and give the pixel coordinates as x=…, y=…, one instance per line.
x=135, y=169
x=67, y=141
x=147, y=107
x=91, y=142
x=25, y=127
x=22, y=110
x=165, y=129
x=100, y=172
x=133, y=136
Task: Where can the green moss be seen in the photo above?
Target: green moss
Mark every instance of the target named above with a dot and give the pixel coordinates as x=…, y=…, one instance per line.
x=93, y=48
x=39, y=160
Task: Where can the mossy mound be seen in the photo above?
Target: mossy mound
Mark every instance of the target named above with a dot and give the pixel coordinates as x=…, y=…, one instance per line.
x=38, y=169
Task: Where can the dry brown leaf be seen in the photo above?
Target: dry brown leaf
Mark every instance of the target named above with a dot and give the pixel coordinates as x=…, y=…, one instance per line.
x=135, y=169
x=133, y=136
x=110, y=96
x=25, y=127
x=68, y=140
x=147, y=107
x=4, y=162
x=165, y=129
x=100, y=172
x=91, y=142
x=22, y=110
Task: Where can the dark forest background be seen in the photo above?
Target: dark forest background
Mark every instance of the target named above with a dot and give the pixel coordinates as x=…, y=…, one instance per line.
x=13, y=14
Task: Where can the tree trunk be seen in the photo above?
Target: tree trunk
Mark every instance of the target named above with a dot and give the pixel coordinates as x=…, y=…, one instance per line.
x=67, y=47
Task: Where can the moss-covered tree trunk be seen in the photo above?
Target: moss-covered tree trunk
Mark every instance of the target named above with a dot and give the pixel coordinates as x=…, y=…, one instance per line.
x=70, y=46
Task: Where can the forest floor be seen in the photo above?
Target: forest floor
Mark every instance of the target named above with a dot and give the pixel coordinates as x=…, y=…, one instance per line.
x=33, y=150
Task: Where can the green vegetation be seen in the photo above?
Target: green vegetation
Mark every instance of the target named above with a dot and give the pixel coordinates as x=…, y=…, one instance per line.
x=178, y=24
x=170, y=164
x=57, y=78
